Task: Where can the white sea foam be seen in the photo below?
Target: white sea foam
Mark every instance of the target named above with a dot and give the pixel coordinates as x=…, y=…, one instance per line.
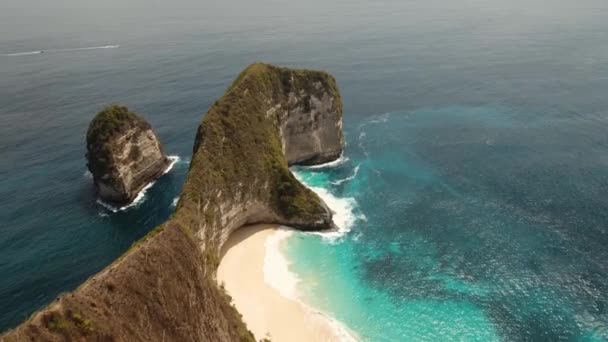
x=382, y=118
x=278, y=276
x=139, y=199
x=376, y=119
x=343, y=208
x=331, y=164
x=276, y=266
x=362, y=136
x=349, y=178
x=141, y=195
x=342, y=333
x=174, y=160
x=174, y=203
x=344, y=214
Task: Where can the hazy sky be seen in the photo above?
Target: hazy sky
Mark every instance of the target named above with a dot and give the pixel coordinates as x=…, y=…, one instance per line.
x=27, y=24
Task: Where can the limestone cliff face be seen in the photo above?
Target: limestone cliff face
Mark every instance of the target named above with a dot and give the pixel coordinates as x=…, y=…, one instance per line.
x=163, y=288
x=311, y=125
x=123, y=154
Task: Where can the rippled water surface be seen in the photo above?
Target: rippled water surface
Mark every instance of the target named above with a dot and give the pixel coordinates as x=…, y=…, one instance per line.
x=477, y=152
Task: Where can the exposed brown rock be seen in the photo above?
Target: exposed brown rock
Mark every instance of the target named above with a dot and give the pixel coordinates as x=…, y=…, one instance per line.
x=123, y=154
x=311, y=128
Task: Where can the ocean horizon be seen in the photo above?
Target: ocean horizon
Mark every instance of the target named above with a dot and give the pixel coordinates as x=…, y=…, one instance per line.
x=470, y=198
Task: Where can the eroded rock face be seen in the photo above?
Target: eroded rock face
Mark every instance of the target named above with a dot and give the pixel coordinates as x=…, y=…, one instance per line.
x=312, y=127
x=123, y=154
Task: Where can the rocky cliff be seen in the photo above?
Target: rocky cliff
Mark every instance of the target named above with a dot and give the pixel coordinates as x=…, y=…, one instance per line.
x=310, y=123
x=123, y=154
x=163, y=289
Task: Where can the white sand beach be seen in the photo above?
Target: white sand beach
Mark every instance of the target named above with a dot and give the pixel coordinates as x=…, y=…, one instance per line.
x=267, y=312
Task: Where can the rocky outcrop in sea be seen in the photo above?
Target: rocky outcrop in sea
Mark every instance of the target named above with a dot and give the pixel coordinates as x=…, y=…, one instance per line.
x=123, y=154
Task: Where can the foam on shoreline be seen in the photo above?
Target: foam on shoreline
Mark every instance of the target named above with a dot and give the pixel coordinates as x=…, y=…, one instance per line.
x=330, y=164
x=141, y=195
x=255, y=273
x=260, y=311
x=343, y=208
x=276, y=266
x=278, y=276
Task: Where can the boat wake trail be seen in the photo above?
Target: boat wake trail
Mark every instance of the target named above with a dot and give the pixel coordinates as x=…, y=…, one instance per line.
x=89, y=48
x=23, y=53
x=38, y=52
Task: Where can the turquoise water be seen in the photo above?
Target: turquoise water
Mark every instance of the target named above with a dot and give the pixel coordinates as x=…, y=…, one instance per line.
x=457, y=232
x=477, y=172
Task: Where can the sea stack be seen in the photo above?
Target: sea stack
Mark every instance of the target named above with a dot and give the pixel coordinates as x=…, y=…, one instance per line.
x=123, y=154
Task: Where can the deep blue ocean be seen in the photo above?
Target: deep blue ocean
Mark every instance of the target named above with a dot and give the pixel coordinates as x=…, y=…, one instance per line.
x=476, y=169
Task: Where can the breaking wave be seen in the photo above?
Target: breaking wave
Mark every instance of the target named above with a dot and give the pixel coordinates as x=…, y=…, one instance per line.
x=331, y=164
x=277, y=274
x=141, y=195
x=344, y=209
x=349, y=178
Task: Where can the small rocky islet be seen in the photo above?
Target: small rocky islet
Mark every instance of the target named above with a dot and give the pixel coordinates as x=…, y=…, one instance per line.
x=123, y=154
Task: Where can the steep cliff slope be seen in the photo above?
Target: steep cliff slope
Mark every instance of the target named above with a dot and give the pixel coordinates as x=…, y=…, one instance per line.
x=162, y=289
x=123, y=154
